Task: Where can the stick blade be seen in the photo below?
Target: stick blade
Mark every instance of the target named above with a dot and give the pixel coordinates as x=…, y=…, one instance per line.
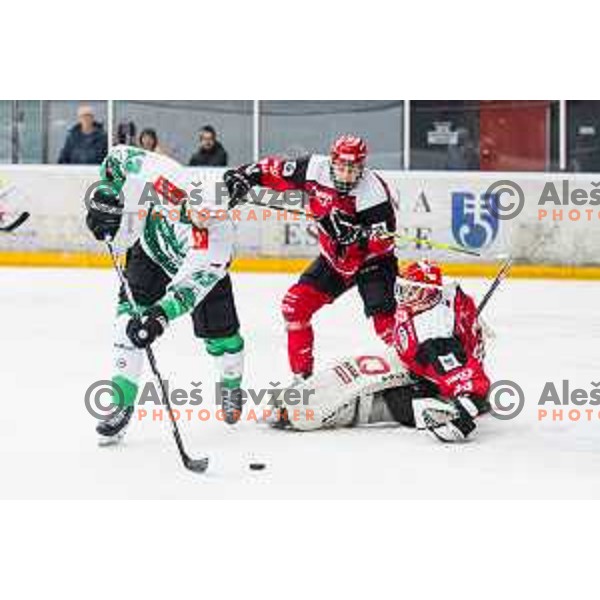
x=197, y=465
x=16, y=223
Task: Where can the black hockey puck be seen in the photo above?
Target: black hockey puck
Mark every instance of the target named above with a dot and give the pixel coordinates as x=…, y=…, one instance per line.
x=257, y=466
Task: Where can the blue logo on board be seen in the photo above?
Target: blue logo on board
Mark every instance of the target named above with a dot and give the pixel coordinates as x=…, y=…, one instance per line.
x=474, y=219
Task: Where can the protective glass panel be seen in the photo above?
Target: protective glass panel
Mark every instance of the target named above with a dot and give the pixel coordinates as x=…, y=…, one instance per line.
x=484, y=135
x=296, y=127
x=63, y=121
x=177, y=126
x=583, y=135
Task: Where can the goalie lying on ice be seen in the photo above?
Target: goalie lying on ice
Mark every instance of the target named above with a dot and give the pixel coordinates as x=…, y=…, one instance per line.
x=433, y=378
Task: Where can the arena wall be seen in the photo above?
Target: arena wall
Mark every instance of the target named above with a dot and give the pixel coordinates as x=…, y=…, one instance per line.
x=446, y=207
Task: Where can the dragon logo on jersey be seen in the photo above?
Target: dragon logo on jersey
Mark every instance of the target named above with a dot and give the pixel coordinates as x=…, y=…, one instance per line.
x=119, y=162
x=474, y=219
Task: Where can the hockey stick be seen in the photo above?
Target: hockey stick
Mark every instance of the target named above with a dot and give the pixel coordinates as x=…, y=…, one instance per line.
x=382, y=234
x=502, y=273
x=506, y=268
x=295, y=211
x=16, y=223
x=432, y=244
x=198, y=465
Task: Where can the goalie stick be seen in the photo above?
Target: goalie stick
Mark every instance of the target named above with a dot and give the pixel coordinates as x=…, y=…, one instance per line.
x=502, y=273
x=198, y=465
x=506, y=265
x=16, y=223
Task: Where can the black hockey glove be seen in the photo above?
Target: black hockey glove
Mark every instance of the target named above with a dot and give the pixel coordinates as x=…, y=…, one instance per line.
x=239, y=182
x=144, y=330
x=104, y=214
x=342, y=228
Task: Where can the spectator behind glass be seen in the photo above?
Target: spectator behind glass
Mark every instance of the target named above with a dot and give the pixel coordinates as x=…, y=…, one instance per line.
x=148, y=140
x=126, y=133
x=210, y=152
x=86, y=142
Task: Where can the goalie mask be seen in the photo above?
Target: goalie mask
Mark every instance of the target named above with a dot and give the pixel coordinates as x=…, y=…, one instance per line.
x=347, y=162
x=420, y=285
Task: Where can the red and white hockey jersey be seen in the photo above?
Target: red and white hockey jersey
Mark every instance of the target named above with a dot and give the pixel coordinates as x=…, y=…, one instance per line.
x=444, y=344
x=369, y=205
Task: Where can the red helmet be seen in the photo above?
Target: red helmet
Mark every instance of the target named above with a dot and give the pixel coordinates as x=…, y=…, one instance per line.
x=426, y=272
x=348, y=150
x=420, y=284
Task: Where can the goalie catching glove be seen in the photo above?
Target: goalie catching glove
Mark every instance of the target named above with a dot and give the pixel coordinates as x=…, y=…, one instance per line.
x=451, y=421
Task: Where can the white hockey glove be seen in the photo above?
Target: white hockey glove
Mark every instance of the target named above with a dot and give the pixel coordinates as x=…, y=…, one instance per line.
x=450, y=421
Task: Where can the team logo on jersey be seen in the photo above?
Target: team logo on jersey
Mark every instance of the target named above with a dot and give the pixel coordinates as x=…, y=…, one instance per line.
x=474, y=219
x=449, y=362
x=324, y=197
x=372, y=365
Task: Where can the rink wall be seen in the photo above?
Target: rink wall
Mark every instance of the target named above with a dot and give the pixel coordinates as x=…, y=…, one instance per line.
x=457, y=208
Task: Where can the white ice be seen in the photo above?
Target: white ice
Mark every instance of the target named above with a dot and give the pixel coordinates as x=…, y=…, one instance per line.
x=56, y=341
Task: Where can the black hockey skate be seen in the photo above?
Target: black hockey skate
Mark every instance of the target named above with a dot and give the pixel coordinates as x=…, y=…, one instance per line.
x=231, y=401
x=112, y=430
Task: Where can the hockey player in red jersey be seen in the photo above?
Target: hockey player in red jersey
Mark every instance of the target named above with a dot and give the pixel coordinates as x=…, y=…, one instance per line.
x=432, y=378
x=352, y=206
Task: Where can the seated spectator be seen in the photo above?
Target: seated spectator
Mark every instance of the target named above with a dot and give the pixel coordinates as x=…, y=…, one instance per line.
x=210, y=153
x=148, y=140
x=86, y=142
x=126, y=133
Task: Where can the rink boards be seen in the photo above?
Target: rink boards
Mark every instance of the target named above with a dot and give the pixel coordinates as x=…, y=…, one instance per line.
x=554, y=234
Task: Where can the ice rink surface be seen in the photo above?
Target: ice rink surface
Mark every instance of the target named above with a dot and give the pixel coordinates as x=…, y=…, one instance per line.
x=56, y=341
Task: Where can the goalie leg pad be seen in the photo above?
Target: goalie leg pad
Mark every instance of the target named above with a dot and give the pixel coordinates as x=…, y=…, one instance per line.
x=324, y=403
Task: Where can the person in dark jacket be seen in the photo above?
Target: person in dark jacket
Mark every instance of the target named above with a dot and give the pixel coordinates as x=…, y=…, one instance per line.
x=211, y=152
x=86, y=143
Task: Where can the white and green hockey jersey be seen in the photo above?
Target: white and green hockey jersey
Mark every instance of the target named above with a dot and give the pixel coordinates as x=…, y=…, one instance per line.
x=178, y=220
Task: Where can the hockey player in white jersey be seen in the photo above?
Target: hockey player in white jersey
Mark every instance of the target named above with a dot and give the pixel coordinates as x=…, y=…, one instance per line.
x=177, y=264
x=432, y=378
